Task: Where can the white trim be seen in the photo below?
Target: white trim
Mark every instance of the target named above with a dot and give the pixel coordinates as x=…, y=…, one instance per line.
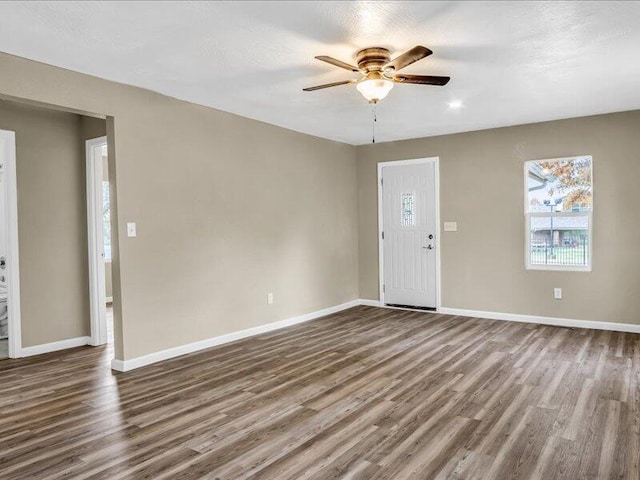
x=13, y=257
x=397, y=163
x=55, y=346
x=108, y=299
x=527, y=223
x=127, y=365
x=121, y=365
x=95, y=227
x=369, y=303
x=555, y=321
x=438, y=233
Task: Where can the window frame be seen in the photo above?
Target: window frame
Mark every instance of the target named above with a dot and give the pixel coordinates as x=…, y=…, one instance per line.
x=528, y=215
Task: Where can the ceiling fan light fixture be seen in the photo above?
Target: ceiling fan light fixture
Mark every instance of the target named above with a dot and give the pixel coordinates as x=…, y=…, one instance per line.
x=374, y=87
x=378, y=72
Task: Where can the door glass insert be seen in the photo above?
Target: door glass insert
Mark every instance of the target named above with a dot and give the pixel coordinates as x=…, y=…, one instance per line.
x=408, y=217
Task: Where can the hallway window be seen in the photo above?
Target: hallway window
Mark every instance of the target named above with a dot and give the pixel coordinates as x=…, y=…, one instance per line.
x=106, y=218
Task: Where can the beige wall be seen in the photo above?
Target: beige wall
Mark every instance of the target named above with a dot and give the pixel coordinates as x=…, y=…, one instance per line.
x=108, y=286
x=481, y=187
x=51, y=223
x=228, y=209
x=92, y=127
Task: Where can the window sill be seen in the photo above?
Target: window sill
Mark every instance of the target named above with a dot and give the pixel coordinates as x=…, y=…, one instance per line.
x=559, y=268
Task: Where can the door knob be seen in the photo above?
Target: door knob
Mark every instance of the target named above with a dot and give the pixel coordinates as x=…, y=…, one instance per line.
x=429, y=247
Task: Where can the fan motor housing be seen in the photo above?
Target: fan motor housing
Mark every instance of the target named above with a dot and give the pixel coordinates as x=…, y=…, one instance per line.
x=372, y=59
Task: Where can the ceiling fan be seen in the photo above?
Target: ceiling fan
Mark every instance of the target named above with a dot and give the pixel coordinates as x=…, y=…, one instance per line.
x=379, y=72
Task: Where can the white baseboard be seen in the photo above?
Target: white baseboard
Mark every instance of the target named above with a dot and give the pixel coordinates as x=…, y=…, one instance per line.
x=118, y=365
x=555, y=321
x=369, y=303
x=54, y=346
x=127, y=365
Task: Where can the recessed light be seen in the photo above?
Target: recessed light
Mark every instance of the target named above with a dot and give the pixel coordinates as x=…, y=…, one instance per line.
x=455, y=104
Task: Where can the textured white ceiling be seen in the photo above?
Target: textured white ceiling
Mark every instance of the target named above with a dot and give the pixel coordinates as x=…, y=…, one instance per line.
x=510, y=62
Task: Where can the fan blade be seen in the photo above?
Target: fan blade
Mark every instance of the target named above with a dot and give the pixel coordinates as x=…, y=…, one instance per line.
x=421, y=79
x=338, y=63
x=327, y=85
x=407, y=58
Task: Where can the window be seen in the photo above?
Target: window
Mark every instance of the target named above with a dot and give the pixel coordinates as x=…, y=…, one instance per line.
x=106, y=221
x=408, y=210
x=558, y=213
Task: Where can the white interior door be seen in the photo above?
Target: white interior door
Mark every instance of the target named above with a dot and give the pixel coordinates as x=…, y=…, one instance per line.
x=409, y=234
x=4, y=314
x=10, y=271
x=96, y=149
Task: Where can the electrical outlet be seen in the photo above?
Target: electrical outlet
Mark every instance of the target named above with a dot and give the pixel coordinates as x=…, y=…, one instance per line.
x=131, y=229
x=557, y=293
x=270, y=298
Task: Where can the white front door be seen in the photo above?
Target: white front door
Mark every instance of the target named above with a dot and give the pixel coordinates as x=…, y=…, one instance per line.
x=409, y=232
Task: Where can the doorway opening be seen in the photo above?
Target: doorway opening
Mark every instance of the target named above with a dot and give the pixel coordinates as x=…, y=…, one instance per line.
x=43, y=159
x=99, y=233
x=409, y=233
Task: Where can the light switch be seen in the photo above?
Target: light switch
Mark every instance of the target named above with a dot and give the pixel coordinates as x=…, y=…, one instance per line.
x=450, y=226
x=131, y=229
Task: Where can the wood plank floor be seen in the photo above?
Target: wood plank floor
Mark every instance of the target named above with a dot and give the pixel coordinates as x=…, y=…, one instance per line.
x=364, y=394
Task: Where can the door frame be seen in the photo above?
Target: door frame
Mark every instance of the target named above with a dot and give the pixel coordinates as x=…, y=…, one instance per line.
x=399, y=163
x=95, y=230
x=14, y=322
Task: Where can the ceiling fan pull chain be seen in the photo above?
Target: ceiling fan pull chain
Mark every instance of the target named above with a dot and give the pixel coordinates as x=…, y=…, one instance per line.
x=373, y=125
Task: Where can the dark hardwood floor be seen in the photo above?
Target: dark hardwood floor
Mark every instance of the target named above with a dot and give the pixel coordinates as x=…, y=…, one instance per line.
x=367, y=393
